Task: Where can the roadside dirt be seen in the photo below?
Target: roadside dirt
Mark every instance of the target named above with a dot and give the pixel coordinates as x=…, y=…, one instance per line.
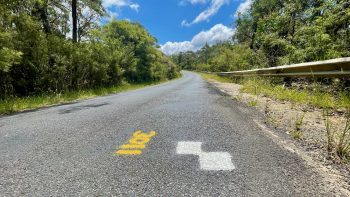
x=310, y=138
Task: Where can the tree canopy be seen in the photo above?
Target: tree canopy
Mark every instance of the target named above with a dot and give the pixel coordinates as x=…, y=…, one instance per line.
x=278, y=32
x=37, y=54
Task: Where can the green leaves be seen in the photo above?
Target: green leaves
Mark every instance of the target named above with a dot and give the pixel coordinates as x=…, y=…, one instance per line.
x=276, y=32
x=296, y=31
x=8, y=57
x=36, y=56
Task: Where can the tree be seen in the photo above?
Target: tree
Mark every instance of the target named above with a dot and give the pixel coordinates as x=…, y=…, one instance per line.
x=89, y=13
x=280, y=32
x=74, y=21
x=36, y=57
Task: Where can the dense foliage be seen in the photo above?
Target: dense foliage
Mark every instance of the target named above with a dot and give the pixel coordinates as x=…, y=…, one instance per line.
x=277, y=32
x=37, y=55
x=221, y=57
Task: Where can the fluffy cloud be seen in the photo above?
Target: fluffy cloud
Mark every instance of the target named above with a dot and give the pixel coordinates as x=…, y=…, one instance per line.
x=135, y=6
x=113, y=13
x=193, y=2
x=170, y=48
x=120, y=3
x=214, y=7
x=243, y=7
x=216, y=34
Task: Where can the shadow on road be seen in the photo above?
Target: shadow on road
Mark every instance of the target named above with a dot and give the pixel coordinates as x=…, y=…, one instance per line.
x=83, y=107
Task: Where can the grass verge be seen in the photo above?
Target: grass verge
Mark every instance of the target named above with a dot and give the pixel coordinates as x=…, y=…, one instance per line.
x=261, y=86
x=334, y=136
x=338, y=137
x=216, y=78
x=16, y=104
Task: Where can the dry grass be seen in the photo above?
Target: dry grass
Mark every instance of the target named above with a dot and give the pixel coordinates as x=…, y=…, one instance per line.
x=16, y=104
x=297, y=132
x=216, y=78
x=261, y=86
x=338, y=137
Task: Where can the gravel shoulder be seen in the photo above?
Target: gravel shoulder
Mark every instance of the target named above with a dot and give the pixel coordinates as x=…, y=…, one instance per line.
x=278, y=118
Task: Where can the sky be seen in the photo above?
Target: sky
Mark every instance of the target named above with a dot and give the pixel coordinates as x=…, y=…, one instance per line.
x=181, y=25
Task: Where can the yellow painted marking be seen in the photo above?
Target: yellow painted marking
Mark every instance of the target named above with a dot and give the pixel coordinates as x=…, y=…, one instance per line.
x=133, y=146
x=139, y=134
x=139, y=141
x=128, y=152
x=136, y=143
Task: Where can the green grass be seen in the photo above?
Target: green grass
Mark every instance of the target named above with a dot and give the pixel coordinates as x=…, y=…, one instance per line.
x=215, y=78
x=297, y=135
x=261, y=86
x=296, y=132
x=12, y=105
x=338, y=137
x=252, y=103
x=312, y=98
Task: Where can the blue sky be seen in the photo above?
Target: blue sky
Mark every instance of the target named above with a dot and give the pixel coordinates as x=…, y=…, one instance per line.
x=181, y=25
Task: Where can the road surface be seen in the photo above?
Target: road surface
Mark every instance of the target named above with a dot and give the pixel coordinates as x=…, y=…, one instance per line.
x=202, y=145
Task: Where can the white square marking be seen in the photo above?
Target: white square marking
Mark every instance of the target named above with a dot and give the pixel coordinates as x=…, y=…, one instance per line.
x=189, y=148
x=216, y=161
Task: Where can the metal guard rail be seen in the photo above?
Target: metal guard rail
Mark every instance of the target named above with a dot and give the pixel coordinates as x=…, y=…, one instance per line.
x=330, y=68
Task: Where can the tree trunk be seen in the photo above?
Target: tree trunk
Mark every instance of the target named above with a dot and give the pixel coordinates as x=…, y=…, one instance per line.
x=75, y=21
x=40, y=11
x=254, y=29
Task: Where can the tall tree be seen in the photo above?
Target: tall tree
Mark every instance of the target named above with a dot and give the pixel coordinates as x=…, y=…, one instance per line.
x=89, y=12
x=41, y=12
x=74, y=21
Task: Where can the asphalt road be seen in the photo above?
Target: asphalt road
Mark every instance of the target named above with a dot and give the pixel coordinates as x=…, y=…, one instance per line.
x=204, y=146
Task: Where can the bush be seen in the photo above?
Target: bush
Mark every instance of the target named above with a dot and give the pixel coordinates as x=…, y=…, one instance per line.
x=34, y=62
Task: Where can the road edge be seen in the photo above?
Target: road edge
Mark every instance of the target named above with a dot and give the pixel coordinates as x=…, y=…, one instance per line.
x=331, y=178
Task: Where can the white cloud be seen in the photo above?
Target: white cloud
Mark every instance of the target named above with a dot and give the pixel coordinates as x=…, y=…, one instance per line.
x=110, y=3
x=170, y=48
x=216, y=34
x=185, y=23
x=135, y=7
x=197, y=1
x=120, y=3
x=214, y=7
x=193, y=2
x=112, y=15
x=243, y=8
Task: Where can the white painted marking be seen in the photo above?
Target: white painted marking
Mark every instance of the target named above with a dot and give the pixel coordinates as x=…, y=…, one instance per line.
x=189, y=148
x=215, y=161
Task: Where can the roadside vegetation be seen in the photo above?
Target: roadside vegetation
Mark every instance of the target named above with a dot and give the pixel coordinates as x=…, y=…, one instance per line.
x=338, y=137
x=45, y=60
x=297, y=131
x=307, y=94
x=310, y=94
x=332, y=104
x=218, y=78
x=18, y=104
x=275, y=32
